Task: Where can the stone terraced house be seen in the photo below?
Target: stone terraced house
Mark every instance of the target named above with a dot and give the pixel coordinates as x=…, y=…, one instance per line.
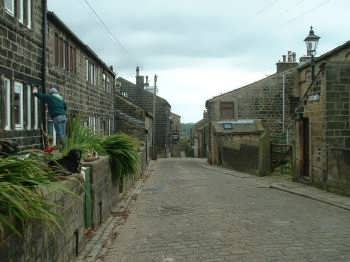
x=22, y=68
x=84, y=80
x=139, y=95
x=313, y=118
x=322, y=126
x=271, y=100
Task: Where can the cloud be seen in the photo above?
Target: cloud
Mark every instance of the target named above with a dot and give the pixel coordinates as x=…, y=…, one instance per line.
x=201, y=48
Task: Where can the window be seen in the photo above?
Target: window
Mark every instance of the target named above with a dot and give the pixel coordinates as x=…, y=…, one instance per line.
x=226, y=110
x=91, y=72
x=60, y=52
x=7, y=89
x=25, y=12
x=28, y=17
x=66, y=55
x=124, y=93
x=20, y=11
x=87, y=69
x=104, y=82
x=18, y=106
x=72, y=59
x=10, y=7
x=29, y=107
x=108, y=87
x=36, y=113
x=57, y=55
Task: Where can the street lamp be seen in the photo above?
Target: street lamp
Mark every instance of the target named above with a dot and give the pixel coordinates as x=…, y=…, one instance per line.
x=311, y=42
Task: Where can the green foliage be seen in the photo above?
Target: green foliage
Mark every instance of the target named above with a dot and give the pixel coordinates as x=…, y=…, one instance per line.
x=123, y=150
x=21, y=198
x=82, y=138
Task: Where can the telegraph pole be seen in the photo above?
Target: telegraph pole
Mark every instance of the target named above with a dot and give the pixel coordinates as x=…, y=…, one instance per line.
x=154, y=118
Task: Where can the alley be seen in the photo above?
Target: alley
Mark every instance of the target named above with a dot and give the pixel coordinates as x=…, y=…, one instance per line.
x=188, y=211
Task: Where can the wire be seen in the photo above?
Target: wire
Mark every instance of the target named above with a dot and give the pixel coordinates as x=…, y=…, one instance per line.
x=308, y=11
x=108, y=31
x=266, y=7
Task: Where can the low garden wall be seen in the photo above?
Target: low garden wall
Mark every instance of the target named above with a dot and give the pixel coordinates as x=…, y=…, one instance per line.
x=94, y=195
x=39, y=243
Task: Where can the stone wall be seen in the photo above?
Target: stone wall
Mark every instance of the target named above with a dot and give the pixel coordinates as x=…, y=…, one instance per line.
x=262, y=100
x=139, y=96
x=21, y=60
x=102, y=190
x=93, y=101
x=40, y=244
x=338, y=127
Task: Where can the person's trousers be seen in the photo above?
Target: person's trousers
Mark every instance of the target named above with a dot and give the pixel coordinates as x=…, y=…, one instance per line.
x=60, y=123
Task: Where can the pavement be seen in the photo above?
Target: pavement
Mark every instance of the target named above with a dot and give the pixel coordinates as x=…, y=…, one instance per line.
x=189, y=211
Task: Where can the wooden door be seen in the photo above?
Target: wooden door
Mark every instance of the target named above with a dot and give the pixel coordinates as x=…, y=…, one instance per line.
x=305, y=147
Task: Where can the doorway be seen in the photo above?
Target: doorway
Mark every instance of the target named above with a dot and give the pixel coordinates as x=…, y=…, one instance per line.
x=305, y=147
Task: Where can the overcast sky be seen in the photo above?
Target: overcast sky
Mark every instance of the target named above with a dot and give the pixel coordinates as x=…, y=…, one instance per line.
x=202, y=48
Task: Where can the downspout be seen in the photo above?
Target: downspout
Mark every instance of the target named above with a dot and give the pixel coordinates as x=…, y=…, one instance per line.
x=283, y=102
x=44, y=70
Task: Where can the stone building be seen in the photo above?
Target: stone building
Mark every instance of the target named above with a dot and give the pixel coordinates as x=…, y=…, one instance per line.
x=322, y=141
x=22, y=68
x=271, y=100
x=311, y=116
x=175, y=128
x=135, y=121
x=201, y=138
x=84, y=80
x=141, y=95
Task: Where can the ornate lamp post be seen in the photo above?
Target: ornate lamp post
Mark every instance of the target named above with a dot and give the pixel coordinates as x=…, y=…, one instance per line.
x=311, y=42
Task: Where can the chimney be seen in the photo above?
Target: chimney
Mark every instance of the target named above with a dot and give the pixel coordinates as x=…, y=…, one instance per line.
x=289, y=56
x=111, y=68
x=147, y=84
x=288, y=62
x=140, y=80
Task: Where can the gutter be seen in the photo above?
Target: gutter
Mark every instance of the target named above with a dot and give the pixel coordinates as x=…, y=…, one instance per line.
x=44, y=74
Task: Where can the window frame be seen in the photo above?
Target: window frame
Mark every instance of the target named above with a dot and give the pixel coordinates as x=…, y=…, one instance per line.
x=9, y=11
x=7, y=88
x=36, y=113
x=20, y=11
x=20, y=125
x=29, y=14
x=29, y=107
x=224, y=106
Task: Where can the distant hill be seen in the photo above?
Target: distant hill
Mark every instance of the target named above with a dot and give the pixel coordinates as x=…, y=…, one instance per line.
x=186, y=130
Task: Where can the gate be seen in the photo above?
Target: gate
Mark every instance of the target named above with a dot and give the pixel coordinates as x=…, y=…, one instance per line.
x=88, y=198
x=281, y=157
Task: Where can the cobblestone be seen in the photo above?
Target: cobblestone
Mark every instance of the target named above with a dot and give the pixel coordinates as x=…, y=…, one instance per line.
x=187, y=212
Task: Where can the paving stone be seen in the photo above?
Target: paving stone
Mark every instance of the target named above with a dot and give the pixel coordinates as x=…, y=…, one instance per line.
x=189, y=212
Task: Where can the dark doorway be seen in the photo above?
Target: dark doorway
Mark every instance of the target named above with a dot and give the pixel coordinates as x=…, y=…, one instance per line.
x=305, y=147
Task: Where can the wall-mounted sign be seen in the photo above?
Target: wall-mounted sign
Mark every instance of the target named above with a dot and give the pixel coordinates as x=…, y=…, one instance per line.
x=227, y=125
x=314, y=98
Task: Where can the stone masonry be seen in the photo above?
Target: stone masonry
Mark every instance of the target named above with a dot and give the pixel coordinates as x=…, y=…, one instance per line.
x=137, y=94
x=21, y=60
x=89, y=87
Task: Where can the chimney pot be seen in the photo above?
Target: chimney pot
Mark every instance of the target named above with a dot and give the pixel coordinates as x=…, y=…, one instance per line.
x=284, y=58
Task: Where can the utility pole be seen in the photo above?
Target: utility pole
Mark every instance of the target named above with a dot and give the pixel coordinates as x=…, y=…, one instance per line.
x=154, y=118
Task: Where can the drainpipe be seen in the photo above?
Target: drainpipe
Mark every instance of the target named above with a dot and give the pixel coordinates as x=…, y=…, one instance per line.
x=283, y=101
x=44, y=69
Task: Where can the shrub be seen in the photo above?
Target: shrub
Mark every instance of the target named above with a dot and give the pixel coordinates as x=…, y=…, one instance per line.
x=21, y=198
x=123, y=150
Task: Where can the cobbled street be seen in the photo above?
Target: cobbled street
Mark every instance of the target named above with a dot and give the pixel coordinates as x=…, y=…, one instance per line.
x=188, y=211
